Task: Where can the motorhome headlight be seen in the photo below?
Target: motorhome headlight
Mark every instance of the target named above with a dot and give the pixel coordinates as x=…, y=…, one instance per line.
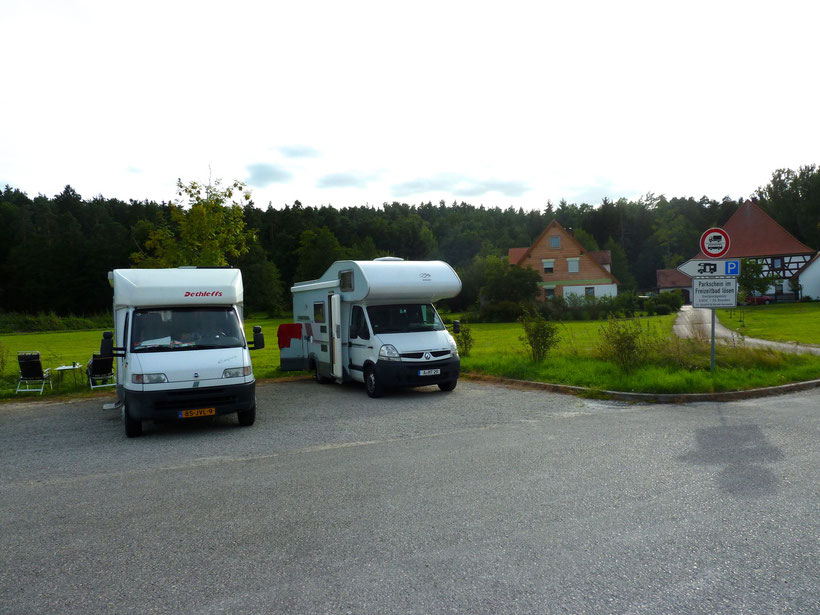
x=148, y=378
x=453, y=346
x=388, y=352
x=237, y=372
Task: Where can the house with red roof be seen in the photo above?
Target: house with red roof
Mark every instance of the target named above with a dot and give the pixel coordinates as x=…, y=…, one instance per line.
x=755, y=235
x=566, y=268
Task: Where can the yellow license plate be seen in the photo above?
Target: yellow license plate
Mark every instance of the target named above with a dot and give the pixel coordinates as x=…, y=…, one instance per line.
x=189, y=414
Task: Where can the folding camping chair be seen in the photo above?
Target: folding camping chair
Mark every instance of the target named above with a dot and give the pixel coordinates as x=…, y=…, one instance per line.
x=100, y=371
x=32, y=374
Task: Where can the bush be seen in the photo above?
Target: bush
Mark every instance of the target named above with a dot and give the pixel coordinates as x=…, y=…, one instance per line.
x=553, y=308
x=626, y=343
x=500, y=311
x=540, y=334
x=464, y=340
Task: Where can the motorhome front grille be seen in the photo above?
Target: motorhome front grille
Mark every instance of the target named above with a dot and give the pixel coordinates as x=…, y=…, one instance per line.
x=180, y=400
x=419, y=355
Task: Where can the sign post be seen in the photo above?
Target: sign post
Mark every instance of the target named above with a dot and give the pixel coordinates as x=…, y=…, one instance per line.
x=714, y=282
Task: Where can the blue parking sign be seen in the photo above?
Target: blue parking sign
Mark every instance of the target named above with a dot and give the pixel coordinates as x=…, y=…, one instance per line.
x=732, y=267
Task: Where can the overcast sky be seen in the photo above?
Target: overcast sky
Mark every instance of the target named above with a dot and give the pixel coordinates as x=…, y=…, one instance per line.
x=353, y=103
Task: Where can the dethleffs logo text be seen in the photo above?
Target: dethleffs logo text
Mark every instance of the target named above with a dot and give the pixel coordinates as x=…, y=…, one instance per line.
x=203, y=293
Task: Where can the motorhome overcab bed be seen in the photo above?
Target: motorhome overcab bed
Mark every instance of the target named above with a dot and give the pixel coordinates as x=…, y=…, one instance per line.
x=374, y=322
x=180, y=346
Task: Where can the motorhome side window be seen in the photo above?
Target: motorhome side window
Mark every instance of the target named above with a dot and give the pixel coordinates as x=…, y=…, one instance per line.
x=346, y=281
x=404, y=318
x=319, y=312
x=358, y=324
x=196, y=328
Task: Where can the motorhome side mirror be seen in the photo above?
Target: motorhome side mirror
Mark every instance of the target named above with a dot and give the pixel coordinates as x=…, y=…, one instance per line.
x=258, y=338
x=107, y=345
x=456, y=326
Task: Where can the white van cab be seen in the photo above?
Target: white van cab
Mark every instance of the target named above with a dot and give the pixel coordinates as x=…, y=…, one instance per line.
x=180, y=346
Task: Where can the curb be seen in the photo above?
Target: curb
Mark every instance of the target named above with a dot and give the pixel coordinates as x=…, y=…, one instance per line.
x=660, y=398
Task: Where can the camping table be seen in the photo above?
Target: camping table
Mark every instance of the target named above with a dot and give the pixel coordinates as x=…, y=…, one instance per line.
x=64, y=368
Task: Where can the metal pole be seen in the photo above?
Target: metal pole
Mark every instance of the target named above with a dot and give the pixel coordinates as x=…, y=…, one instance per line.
x=713, y=341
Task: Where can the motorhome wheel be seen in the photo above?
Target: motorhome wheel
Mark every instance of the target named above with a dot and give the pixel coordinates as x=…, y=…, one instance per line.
x=372, y=383
x=447, y=386
x=247, y=417
x=318, y=377
x=133, y=427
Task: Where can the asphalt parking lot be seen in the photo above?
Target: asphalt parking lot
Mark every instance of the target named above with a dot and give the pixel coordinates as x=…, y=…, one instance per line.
x=483, y=500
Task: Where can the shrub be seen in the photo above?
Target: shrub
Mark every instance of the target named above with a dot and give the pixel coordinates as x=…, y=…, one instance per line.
x=553, y=308
x=464, y=340
x=540, y=334
x=626, y=343
x=500, y=311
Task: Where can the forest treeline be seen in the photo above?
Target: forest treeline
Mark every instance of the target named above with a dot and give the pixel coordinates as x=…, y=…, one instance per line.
x=55, y=253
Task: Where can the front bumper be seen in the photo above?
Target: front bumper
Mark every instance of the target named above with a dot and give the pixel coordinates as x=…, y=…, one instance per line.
x=406, y=374
x=167, y=404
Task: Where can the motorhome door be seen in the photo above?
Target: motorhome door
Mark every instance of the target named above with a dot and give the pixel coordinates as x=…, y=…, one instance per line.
x=336, y=336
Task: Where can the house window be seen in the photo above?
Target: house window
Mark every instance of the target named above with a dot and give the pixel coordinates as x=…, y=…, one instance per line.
x=549, y=292
x=778, y=263
x=572, y=265
x=589, y=291
x=346, y=281
x=548, y=264
x=555, y=241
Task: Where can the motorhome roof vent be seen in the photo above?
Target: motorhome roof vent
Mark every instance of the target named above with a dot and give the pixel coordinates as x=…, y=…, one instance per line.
x=388, y=258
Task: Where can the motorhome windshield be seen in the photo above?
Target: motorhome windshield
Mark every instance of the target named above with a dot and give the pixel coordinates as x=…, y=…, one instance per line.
x=404, y=318
x=160, y=330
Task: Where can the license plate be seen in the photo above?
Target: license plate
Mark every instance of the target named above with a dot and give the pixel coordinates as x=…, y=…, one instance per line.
x=190, y=414
x=429, y=372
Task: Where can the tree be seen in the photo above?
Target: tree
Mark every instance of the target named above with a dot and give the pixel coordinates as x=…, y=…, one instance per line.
x=586, y=240
x=208, y=234
x=503, y=282
x=620, y=265
x=318, y=249
x=752, y=279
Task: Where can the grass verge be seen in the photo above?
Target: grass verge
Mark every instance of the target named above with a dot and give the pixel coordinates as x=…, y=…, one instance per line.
x=673, y=366
x=778, y=322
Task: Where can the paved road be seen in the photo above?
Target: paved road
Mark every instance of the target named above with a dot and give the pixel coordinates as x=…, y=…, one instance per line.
x=697, y=323
x=484, y=500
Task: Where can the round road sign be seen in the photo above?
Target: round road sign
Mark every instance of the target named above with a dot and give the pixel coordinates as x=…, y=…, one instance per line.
x=714, y=243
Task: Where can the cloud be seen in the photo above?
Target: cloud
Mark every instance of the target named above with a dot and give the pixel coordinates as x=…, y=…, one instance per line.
x=135, y=170
x=263, y=175
x=343, y=180
x=460, y=185
x=595, y=191
x=299, y=151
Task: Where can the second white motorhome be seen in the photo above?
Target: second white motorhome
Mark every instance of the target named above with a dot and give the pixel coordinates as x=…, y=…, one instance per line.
x=180, y=347
x=374, y=322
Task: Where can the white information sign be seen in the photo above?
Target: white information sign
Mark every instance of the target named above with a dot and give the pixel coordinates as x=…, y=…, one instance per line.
x=714, y=292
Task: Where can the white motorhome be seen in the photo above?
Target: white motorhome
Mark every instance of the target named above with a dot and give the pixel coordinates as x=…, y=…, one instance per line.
x=374, y=322
x=179, y=344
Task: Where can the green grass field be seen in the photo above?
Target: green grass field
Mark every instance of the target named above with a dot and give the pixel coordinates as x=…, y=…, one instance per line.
x=676, y=366
x=65, y=347
x=778, y=322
